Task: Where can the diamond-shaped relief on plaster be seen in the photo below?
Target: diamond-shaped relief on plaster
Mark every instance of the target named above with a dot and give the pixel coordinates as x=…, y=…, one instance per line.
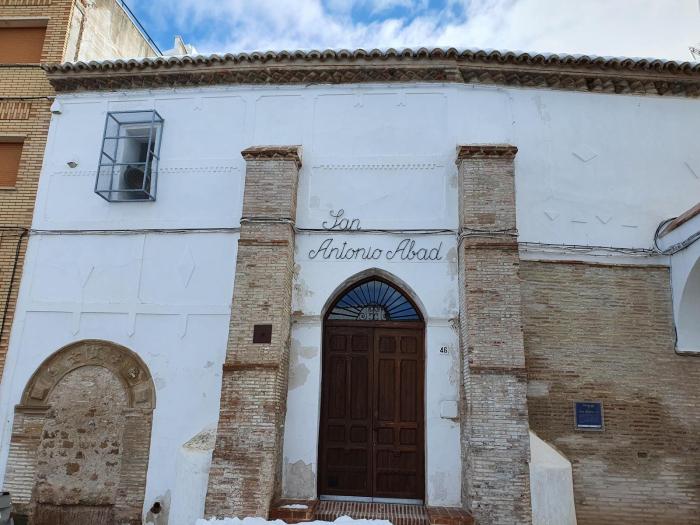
x=584, y=153
x=604, y=219
x=551, y=215
x=693, y=167
x=186, y=266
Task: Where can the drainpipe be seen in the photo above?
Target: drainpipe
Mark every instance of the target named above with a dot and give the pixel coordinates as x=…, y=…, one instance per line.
x=10, y=285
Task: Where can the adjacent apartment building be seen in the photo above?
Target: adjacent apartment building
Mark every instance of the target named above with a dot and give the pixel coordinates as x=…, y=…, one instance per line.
x=34, y=32
x=440, y=277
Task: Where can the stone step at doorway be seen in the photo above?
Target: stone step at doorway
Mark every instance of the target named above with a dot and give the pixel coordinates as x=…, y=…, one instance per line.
x=397, y=514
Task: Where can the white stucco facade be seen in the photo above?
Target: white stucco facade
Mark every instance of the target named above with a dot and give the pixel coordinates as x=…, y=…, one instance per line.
x=591, y=171
x=551, y=485
x=685, y=280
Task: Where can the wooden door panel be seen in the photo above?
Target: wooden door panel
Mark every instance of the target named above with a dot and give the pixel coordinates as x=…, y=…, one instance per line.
x=385, y=390
x=359, y=395
x=337, y=395
x=398, y=424
x=408, y=387
x=371, y=439
x=345, y=456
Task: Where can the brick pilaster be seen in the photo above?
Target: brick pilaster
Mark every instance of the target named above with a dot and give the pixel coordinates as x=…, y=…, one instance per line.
x=495, y=441
x=246, y=463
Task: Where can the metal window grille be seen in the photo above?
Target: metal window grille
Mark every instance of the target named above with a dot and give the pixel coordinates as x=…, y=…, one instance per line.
x=374, y=300
x=128, y=169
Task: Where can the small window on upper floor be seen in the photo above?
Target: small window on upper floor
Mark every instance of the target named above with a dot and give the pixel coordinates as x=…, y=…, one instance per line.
x=19, y=44
x=10, y=155
x=128, y=169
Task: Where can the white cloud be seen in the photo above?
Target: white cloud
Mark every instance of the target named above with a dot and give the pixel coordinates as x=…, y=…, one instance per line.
x=660, y=28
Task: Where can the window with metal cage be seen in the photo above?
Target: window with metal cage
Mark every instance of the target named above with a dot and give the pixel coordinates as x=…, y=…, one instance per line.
x=128, y=169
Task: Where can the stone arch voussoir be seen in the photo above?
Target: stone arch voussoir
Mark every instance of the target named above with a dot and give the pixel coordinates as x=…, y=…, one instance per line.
x=121, y=361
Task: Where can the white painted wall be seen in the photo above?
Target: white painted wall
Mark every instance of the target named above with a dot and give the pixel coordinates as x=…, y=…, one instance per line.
x=434, y=284
x=685, y=280
x=551, y=485
x=166, y=297
x=592, y=169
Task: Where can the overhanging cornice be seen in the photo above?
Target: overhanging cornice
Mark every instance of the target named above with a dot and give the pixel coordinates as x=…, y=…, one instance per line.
x=568, y=72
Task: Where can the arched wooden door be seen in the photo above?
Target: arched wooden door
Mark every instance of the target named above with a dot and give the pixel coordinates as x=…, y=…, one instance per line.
x=371, y=434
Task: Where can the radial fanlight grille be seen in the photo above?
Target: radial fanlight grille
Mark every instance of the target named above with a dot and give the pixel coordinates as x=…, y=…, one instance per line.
x=373, y=300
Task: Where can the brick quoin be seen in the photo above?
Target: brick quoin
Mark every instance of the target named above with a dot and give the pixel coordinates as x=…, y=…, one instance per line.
x=494, y=422
x=246, y=466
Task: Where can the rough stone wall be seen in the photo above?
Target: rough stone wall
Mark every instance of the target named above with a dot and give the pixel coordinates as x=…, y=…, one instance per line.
x=494, y=433
x=106, y=31
x=596, y=332
x=246, y=464
x=79, y=457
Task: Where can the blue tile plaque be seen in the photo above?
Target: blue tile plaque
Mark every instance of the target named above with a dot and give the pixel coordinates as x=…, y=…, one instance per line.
x=589, y=415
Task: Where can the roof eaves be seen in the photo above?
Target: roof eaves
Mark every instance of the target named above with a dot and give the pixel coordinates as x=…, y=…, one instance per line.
x=558, y=71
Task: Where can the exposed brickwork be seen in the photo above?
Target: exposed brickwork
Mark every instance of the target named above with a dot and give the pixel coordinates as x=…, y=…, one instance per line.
x=449, y=516
x=81, y=437
x=396, y=514
x=10, y=240
x=494, y=432
x=246, y=464
x=25, y=3
x=300, y=511
x=14, y=110
x=21, y=469
x=595, y=332
x=294, y=511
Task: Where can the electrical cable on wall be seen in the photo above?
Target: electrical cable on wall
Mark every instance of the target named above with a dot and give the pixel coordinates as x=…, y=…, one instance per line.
x=672, y=250
x=466, y=232
x=10, y=285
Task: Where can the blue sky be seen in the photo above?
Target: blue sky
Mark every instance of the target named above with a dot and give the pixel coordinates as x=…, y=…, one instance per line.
x=649, y=28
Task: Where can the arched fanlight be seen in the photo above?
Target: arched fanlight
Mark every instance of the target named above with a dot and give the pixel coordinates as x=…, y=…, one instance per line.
x=373, y=300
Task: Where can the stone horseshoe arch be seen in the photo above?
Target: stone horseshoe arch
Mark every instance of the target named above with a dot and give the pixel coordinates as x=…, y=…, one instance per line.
x=59, y=452
x=121, y=361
